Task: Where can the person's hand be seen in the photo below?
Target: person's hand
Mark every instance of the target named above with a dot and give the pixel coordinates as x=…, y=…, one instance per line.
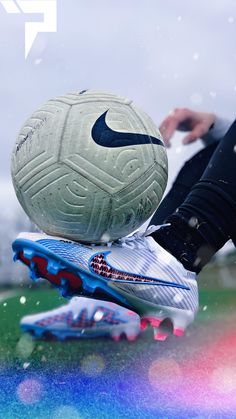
x=182, y=119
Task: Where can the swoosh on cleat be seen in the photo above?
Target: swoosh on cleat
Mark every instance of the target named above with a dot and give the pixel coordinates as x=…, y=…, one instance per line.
x=98, y=264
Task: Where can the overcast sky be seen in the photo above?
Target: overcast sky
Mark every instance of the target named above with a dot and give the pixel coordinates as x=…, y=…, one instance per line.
x=162, y=54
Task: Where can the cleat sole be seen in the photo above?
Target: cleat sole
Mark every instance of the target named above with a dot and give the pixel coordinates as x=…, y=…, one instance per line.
x=164, y=319
x=79, y=281
x=40, y=333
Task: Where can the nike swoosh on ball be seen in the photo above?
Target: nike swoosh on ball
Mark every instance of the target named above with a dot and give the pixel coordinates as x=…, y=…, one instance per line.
x=104, y=136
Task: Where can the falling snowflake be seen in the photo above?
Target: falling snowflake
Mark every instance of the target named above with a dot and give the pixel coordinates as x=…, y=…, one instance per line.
x=38, y=61
x=178, y=298
x=196, y=56
x=196, y=99
x=23, y=299
x=212, y=94
x=26, y=365
x=178, y=150
x=98, y=315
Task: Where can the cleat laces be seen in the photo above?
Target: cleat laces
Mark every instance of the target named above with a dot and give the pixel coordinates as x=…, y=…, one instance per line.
x=139, y=240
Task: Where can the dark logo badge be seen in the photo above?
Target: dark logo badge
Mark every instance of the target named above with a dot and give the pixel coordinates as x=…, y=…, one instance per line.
x=106, y=137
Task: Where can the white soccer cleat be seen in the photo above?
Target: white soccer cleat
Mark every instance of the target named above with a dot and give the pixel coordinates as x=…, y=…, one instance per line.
x=84, y=318
x=134, y=272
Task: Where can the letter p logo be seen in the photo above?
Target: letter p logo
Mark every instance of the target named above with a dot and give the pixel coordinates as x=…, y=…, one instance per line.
x=46, y=7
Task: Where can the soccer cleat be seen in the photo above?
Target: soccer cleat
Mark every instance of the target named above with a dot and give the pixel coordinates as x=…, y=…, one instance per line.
x=83, y=318
x=135, y=272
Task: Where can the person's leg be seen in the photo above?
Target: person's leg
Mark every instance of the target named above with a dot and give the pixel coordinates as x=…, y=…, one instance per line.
x=138, y=272
x=186, y=179
x=207, y=218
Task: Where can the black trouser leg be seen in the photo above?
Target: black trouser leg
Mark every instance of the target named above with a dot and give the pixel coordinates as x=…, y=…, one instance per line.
x=190, y=173
x=207, y=218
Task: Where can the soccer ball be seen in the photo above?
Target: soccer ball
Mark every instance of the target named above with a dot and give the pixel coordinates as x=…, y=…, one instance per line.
x=89, y=166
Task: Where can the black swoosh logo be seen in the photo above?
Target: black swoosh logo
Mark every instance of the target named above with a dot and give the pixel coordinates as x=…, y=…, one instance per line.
x=106, y=137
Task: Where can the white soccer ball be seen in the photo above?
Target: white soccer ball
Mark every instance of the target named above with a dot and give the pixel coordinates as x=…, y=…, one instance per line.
x=89, y=166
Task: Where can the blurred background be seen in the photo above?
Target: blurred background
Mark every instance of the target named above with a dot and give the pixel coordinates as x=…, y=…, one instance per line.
x=160, y=54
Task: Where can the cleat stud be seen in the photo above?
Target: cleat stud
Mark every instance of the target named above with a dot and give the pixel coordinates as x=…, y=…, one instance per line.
x=131, y=338
x=53, y=267
x=64, y=282
x=116, y=338
x=63, y=292
x=34, y=275
x=90, y=287
x=160, y=336
x=28, y=254
x=58, y=336
x=143, y=324
x=15, y=257
x=38, y=333
x=63, y=289
x=178, y=332
x=155, y=322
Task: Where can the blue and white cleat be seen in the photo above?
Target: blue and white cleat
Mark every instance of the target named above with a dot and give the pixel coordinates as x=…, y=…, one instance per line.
x=134, y=272
x=84, y=318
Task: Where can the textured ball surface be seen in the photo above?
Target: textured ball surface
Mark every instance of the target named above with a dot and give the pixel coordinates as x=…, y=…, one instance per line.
x=89, y=166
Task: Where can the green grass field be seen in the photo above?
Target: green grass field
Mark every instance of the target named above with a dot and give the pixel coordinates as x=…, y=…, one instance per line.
x=215, y=304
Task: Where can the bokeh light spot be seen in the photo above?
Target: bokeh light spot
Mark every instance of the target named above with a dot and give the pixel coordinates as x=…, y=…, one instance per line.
x=231, y=19
x=92, y=365
x=30, y=391
x=196, y=56
x=66, y=412
x=224, y=379
x=165, y=374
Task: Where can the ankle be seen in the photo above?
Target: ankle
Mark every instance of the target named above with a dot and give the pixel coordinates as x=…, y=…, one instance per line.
x=185, y=243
